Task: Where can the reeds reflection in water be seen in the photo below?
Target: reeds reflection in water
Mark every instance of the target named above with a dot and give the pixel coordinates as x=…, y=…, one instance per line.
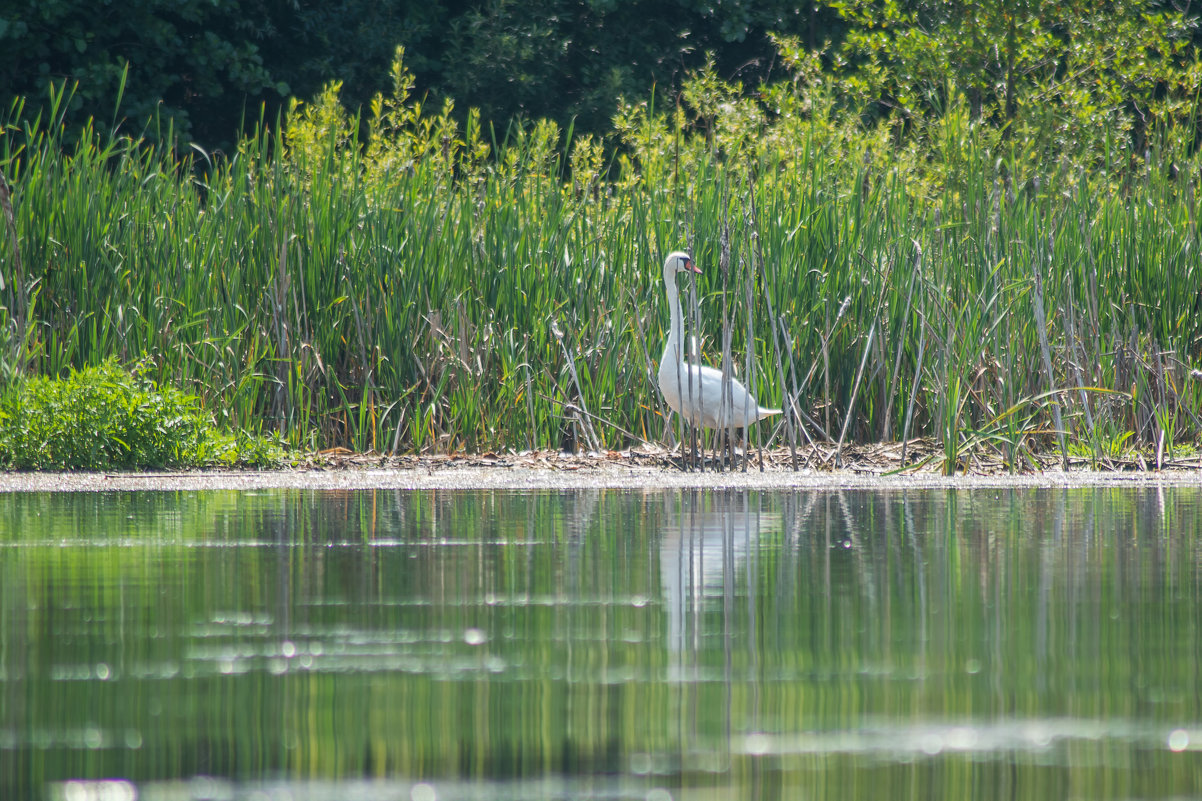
x=988, y=643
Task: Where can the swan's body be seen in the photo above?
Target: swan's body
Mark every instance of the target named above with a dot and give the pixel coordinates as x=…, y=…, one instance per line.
x=697, y=392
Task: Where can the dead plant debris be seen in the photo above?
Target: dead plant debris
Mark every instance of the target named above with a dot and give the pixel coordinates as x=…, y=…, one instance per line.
x=923, y=456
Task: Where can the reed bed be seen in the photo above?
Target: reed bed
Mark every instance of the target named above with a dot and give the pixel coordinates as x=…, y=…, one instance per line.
x=423, y=287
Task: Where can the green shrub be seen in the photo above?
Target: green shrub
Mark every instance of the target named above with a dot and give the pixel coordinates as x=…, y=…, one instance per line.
x=107, y=417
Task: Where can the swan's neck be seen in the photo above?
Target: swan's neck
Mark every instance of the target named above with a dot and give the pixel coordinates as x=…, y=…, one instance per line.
x=672, y=348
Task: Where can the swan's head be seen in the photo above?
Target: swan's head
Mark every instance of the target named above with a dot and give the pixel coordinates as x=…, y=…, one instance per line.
x=678, y=262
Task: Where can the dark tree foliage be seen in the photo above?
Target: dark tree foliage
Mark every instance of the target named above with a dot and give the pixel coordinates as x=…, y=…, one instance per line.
x=354, y=41
x=191, y=63
x=207, y=66
x=565, y=59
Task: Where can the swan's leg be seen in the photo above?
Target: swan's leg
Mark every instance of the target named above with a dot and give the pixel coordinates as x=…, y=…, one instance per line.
x=687, y=455
x=740, y=444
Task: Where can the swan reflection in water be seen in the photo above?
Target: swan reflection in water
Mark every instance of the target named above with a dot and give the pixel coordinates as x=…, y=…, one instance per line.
x=707, y=557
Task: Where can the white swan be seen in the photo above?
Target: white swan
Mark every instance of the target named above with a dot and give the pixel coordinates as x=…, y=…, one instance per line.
x=692, y=391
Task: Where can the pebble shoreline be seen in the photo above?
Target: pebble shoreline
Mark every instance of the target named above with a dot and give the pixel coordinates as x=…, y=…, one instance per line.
x=567, y=474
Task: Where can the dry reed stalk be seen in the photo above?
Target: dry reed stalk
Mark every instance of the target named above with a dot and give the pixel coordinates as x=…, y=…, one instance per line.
x=752, y=221
x=18, y=280
x=1041, y=323
x=901, y=341
x=851, y=403
x=752, y=378
x=724, y=436
x=922, y=341
x=583, y=420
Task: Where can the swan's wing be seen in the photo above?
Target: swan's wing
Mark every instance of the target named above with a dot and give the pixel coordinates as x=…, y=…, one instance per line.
x=697, y=391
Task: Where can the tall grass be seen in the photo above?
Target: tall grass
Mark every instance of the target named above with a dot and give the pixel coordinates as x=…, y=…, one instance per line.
x=422, y=287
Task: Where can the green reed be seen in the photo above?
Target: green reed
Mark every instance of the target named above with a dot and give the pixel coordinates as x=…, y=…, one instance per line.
x=423, y=286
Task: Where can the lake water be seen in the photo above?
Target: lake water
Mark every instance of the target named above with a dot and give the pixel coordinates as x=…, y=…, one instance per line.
x=1018, y=644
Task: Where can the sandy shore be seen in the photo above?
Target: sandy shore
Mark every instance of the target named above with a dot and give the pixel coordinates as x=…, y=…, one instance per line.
x=552, y=471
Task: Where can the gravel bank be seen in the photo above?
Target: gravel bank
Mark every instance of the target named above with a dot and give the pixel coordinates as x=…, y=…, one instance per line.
x=551, y=471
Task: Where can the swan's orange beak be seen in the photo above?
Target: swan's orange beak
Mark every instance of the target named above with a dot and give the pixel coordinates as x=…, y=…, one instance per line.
x=691, y=266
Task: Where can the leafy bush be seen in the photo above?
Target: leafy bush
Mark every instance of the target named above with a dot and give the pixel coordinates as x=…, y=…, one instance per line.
x=106, y=417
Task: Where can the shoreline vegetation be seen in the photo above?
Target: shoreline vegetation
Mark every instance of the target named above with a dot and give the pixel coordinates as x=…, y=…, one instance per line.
x=1012, y=285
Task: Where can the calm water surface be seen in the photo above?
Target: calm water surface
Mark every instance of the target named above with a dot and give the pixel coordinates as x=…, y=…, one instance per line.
x=981, y=644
